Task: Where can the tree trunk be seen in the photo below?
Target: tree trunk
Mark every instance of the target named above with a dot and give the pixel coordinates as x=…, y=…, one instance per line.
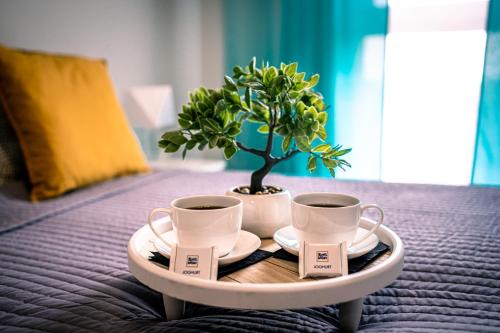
x=258, y=177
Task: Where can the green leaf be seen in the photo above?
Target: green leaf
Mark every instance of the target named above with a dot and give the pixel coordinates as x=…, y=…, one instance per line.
x=178, y=139
x=201, y=106
x=264, y=129
x=235, y=97
x=288, y=107
x=202, y=145
x=315, y=126
x=183, y=123
x=251, y=65
x=302, y=143
x=198, y=137
x=185, y=116
x=202, y=91
x=332, y=172
x=277, y=83
x=269, y=75
x=226, y=118
x=311, y=163
x=344, y=162
x=171, y=148
x=235, y=108
x=321, y=132
x=281, y=130
x=248, y=97
x=220, y=106
x=299, y=131
x=291, y=69
x=190, y=144
x=313, y=81
x=285, y=145
x=300, y=86
x=300, y=77
x=312, y=110
x=234, y=130
x=208, y=102
x=229, y=151
x=322, y=147
x=322, y=117
x=222, y=142
x=213, y=125
x=213, y=141
x=163, y=143
x=301, y=108
x=320, y=105
x=238, y=71
x=258, y=73
x=230, y=83
x=342, y=152
x=168, y=135
x=330, y=163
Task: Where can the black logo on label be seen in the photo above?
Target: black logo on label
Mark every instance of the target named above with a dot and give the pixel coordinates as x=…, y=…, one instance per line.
x=322, y=256
x=192, y=260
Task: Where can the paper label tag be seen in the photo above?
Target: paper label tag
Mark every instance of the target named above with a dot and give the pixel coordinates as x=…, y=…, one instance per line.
x=328, y=260
x=196, y=262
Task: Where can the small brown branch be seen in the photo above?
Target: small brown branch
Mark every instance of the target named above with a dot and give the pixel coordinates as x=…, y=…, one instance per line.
x=251, y=150
x=288, y=156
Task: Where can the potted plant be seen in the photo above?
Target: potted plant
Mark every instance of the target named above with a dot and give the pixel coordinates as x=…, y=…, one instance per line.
x=284, y=103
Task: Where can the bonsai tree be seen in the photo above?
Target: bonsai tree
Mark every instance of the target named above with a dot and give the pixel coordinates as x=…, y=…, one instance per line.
x=281, y=100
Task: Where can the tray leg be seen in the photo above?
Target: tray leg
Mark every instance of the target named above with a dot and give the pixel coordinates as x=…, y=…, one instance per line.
x=174, y=308
x=350, y=314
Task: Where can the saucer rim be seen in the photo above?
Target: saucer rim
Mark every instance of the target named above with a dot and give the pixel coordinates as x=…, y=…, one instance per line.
x=223, y=260
x=350, y=255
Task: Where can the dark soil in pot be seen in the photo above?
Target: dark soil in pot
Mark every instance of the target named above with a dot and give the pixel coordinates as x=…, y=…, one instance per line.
x=266, y=189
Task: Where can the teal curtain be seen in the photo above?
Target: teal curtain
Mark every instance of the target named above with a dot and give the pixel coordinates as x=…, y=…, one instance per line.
x=487, y=155
x=341, y=40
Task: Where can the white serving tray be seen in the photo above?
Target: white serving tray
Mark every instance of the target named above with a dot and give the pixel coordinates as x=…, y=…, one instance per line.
x=348, y=290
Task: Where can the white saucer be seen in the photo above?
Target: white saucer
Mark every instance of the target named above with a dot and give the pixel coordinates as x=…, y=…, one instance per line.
x=246, y=244
x=287, y=239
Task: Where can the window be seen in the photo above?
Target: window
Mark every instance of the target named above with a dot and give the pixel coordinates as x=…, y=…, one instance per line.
x=433, y=71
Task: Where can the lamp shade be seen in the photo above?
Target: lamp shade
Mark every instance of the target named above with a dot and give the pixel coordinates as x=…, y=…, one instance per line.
x=150, y=106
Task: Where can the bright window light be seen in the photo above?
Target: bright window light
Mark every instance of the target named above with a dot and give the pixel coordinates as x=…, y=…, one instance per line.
x=431, y=97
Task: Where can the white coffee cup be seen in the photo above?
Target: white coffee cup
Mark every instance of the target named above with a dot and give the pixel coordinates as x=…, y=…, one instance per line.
x=330, y=225
x=198, y=227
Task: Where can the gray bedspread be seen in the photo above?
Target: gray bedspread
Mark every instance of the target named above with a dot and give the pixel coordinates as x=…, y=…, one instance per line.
x=63, y=262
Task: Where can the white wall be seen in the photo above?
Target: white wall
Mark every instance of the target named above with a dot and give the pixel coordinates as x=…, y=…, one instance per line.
x=178, y=42
x=130, y=34
x=197, y=43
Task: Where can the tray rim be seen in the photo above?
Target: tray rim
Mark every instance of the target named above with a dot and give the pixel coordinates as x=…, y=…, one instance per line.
x=266, y=295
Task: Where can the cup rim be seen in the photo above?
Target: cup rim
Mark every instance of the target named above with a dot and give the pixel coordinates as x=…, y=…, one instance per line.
x=358, y=202
x=175, y=201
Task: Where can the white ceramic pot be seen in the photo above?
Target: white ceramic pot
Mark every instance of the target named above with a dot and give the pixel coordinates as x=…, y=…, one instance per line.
x=264, y=214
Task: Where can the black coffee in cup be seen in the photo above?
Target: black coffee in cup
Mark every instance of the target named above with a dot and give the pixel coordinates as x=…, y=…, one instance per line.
x=326, y=205
x=207, y=207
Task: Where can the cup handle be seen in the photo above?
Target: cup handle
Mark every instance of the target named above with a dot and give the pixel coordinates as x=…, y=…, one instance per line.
x=150, y=222
x=375, y=227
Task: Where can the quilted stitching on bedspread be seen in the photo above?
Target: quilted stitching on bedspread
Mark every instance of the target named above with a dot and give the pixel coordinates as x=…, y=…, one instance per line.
x=68, y=271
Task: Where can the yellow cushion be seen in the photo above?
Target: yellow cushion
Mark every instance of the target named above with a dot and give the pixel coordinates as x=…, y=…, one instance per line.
x=70, y=125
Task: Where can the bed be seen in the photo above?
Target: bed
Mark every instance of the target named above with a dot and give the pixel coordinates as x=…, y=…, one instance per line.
x=63, y=262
